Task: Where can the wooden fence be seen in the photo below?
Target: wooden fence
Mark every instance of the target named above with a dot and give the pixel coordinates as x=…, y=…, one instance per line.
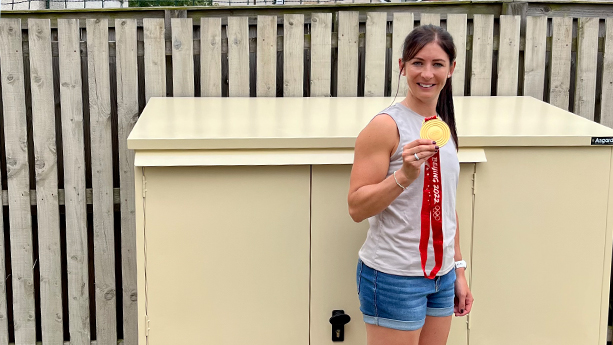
x=73, y=88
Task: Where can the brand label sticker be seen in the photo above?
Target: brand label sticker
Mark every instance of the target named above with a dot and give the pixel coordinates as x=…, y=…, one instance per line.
x=602, y=140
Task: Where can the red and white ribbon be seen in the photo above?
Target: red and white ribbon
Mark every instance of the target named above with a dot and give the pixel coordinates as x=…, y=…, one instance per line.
x=432, y=214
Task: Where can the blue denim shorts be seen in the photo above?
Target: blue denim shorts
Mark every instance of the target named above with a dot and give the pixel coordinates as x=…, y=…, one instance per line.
x=402, y=302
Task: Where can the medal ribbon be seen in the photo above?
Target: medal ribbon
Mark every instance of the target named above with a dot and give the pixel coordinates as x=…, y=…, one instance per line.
x=432, y=213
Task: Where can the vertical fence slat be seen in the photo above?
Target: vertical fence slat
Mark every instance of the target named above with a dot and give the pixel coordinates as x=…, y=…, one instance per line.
x=210, y=56
x=15, y=129
x=238, y=56
x=606, y=112
x=266, y=82
x=4, y=328
x=155, y=58
x=182, y=57
x=293, y=54
x=430, y=19
x=127, y=114
x=348, y=35
x=559, y=94
x=74, y=180
x=534, y=57
x=402, y=26
x=508, y=55
x=374, y=84
x=561, y=62
x=47, y=203
x=102, y=179
x=483, y=43
x=587, y=59
x=321, y=58
x=456, y=25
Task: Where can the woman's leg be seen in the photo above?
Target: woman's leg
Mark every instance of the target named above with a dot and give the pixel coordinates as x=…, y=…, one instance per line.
x=435, y=331
x=377, y=335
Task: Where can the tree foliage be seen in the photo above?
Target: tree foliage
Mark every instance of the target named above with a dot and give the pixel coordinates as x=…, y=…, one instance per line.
x=155, y=3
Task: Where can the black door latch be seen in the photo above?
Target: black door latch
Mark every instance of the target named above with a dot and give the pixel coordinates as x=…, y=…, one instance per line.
x=338, y=321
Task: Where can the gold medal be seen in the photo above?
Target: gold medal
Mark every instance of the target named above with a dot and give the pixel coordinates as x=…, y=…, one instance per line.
x=436, y=130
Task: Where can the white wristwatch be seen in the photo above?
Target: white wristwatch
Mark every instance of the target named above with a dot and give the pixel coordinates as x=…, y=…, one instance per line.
x=460, y=264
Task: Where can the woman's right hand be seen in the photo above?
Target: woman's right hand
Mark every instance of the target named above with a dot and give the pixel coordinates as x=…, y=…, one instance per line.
x=424, y=149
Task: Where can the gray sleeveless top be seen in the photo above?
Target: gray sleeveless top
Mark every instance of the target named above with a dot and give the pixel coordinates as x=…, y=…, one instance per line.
x=392, y=242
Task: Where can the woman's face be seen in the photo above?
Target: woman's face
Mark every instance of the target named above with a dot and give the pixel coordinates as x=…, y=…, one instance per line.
x=427, y=72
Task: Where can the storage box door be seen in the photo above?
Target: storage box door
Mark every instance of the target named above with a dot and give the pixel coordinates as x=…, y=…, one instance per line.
x=335, y=242
x=227, y=255
x=539, y=245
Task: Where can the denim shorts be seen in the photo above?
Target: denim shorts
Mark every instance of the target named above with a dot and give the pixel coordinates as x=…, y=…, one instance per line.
x=402, y=302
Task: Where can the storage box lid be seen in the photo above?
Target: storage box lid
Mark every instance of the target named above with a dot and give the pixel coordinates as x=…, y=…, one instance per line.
x=334, y=123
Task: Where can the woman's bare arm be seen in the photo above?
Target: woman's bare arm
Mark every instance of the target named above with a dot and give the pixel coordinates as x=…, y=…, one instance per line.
x=370, y=192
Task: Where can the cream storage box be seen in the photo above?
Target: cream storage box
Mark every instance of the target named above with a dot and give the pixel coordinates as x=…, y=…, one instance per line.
x=243, y=234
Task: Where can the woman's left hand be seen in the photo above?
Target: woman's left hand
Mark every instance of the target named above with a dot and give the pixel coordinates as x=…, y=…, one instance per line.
x=463, y=301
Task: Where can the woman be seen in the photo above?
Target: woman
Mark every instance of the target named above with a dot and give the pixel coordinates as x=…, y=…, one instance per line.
x=408, y=289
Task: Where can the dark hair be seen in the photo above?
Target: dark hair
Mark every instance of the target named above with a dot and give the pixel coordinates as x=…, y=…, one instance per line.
x=413, y=43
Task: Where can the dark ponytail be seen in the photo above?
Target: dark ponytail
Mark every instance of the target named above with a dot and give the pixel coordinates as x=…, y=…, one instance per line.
x=413, y=43
x=445, y=109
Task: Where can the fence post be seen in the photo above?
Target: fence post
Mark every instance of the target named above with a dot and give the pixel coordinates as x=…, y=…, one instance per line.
x=516, y=9
x=168, y=14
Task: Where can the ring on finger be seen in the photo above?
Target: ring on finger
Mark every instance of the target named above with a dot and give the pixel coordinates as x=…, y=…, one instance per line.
x=416, y=157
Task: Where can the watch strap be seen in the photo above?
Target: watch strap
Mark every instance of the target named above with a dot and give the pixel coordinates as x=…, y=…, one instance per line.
x=460, y=264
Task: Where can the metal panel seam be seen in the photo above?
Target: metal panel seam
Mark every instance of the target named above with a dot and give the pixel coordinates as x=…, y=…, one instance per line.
x=606, y=254
x=472, y=238
x=310, y=245
x=147, y=321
